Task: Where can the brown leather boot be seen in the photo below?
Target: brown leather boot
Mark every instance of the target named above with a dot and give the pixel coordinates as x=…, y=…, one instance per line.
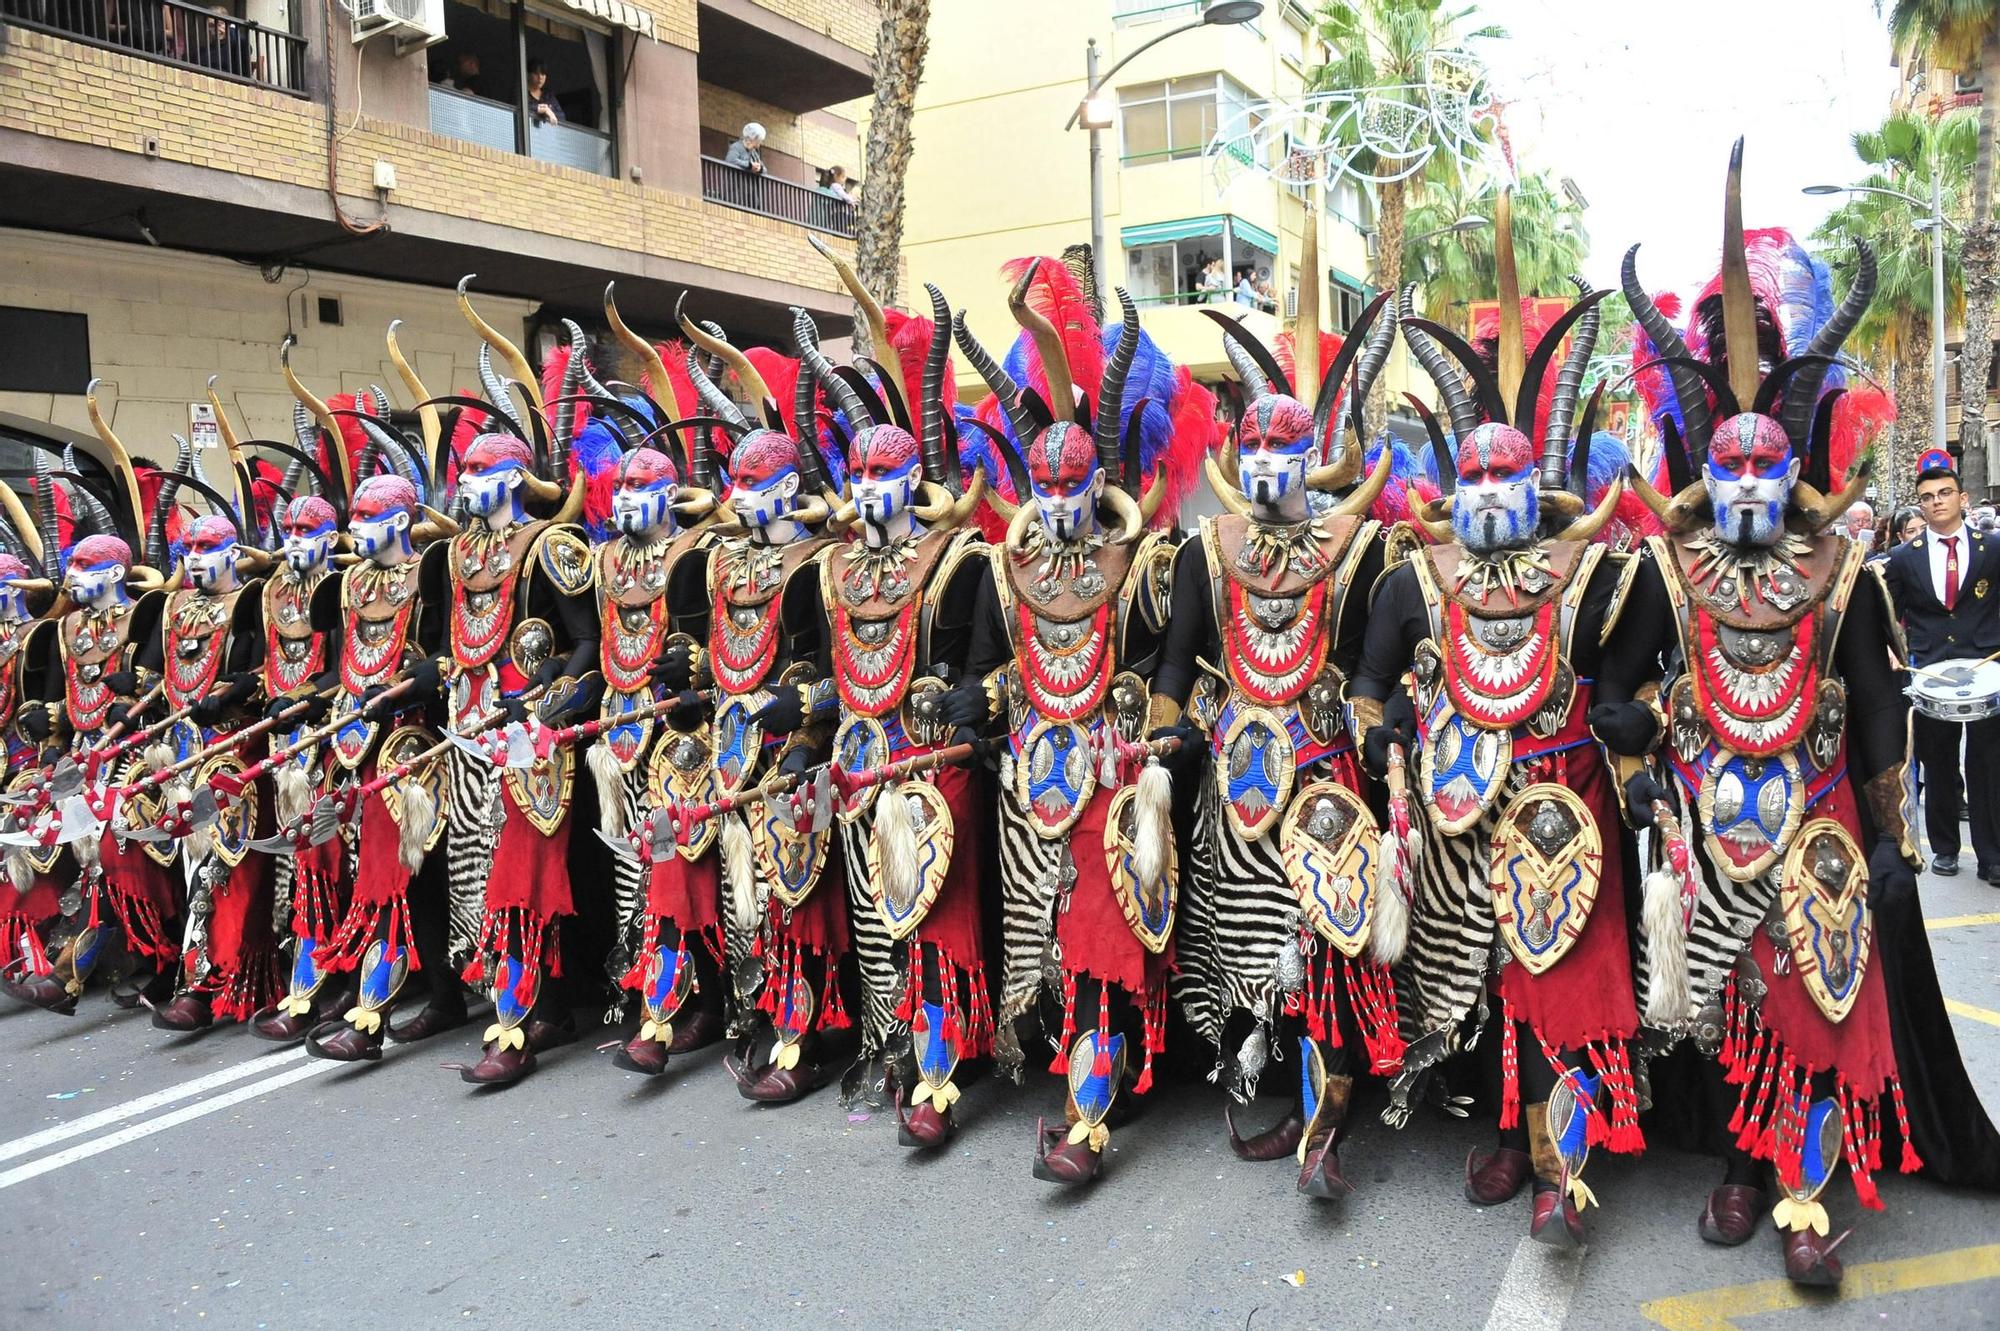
x=185, y=1013
x=1319, y=1166
x=1544, y=1227
x=338, y=1042
x=499, y=1065
x=1731, y=1215
x=46, y=991
x=923, y=1127
x=700, y=1031
x=1496, y=1176
x=1060, y=1160
x=1809, y=1258
x=1277, y=1142
x=434, y=1018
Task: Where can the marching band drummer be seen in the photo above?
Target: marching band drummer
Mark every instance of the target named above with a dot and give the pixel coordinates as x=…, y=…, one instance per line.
x=1943, y=585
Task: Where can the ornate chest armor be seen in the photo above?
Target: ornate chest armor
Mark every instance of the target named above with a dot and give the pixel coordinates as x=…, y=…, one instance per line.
x=197, y=642
x=1757, y=721
x=1494, y=684
x=13, y=637
x=94, y=644
x=497, y=651
x=1279, y=594
x=377, y=606
x=293, y=653
x=746, y=599
x=632, y=580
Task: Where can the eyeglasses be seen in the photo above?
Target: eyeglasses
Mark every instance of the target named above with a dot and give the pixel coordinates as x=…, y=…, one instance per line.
x=1938, y=497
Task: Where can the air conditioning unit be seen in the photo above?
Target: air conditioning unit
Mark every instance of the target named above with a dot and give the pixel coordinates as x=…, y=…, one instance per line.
x=413, y=23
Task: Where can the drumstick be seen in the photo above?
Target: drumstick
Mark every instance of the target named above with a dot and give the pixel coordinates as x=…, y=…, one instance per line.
x=1939, y=669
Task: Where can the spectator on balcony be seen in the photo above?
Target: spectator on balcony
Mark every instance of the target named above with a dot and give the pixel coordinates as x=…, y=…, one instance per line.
x=545, y=109
x=747, y=153
x=223, y=46
x=834, y=181
x=462, y=75
x=1214, y=286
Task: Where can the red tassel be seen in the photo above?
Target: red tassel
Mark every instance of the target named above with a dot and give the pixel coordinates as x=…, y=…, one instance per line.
x=1060, y=1063
x=1510, y=1070
x=1909, y=1164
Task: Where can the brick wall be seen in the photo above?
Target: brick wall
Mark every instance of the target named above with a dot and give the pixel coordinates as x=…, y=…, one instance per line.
x=80, y=94
x=819, y=139
x=849, y=22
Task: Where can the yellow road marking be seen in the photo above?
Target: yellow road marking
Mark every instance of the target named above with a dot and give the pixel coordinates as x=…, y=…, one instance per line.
x=1711, y=1310
x=1958, y=1009
x=1961, y=921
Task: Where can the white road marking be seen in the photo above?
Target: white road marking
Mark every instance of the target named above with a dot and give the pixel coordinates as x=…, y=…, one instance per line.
x=145, y=1104
x=146, y=1128
x=1535, y=1293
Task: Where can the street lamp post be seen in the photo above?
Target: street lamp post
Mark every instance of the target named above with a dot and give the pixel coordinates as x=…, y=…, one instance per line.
x=1094, y=113
x=1935, y=223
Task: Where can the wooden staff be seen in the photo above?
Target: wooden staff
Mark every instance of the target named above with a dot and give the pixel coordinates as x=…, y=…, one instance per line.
x=230, y=741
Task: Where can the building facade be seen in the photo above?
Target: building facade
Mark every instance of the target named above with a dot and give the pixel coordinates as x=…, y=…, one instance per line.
x=181, y=186
x=978, y=197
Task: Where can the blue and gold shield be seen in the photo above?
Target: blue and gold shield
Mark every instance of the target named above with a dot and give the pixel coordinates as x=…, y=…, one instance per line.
x=860, y=745
x=1749, y=809
x=1461, y=767
x=738, y=740
x=625, y=738
x=1544, y=869
x=1824, y=896
x=1259, y=762
x=1148, y=907
x=788, y=860
x=1329, y=843
x=1054, y=775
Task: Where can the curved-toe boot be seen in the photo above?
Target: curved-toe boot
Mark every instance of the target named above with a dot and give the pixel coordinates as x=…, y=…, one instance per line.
x=1278, y=1142
x=1496, y=1176
x=1319, y=1171
x=339, y=1042
x=1060, y=1160
x=699, y=1032
x=185, y=1013
x=774, y=1085
x=1731, y=1214
x=923, y=1127
x=643, y=1055
x=281, y=1027
x=435, y=1019
x=1809, y=1258
x=499, y=1065
x=1556, y=1220
x=46, y=991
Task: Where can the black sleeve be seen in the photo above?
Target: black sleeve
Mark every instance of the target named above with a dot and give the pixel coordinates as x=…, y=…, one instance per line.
x=1641, y=638
x=953, y=618
x=246, y=646
x=1352, y=631
x=578, y=623
x=1397, y=622
x=1190, y=623
x=434, y=599
x=1877, y=710
x=990, y=647
x=802, y=622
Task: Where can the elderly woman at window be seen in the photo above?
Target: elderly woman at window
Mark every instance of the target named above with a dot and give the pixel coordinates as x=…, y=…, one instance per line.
x=747, y=153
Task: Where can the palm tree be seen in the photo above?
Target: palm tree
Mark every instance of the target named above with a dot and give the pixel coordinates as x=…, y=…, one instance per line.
x=1960, y=35
x=900, y=45
x=1457, y=268
x=1384, y=46
x=1906, y=152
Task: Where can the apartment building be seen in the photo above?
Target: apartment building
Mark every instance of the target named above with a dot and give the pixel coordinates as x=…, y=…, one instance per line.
x=182, y=185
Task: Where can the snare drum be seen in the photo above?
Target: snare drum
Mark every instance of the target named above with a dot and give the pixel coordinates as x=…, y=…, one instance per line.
x=1956, y=690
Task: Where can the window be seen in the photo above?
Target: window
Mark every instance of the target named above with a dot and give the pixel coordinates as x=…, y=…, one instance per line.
x=521, y=80
x=1348, y=301
x=1347, y=201
x=1178, y=117
x=43, y=351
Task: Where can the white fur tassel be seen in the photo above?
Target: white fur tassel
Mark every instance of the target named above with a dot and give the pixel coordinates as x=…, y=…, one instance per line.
x=419, y=812
x=1389, y=931
x=289, y=793
x=739, y=870
x=1667, y=994
x=19, y=872
x=159, y=755
x=1152, y=823
x=896, y=845
x=610, y=781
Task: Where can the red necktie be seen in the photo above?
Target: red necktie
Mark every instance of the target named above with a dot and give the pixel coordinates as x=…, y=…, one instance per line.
x=1951, y=573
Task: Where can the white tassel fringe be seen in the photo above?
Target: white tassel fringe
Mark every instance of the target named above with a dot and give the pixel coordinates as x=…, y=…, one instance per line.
x=1667, y=993
x=610, y=781
x=419, y=812
x=896, y=845
x=739, y=871
x=1152, y=824
x=1389, y=931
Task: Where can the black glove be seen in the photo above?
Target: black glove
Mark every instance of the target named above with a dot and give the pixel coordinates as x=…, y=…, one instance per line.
x=513, y=709
x=1625, y=727
x=1891, y=881
x=691, y=706
x=1642, y=791
x=1398, y=727
x=982, y=748
x=783, y=714
x=119, y=714
x=675, y=668
x=219, y=703
x=312, y=709
x=35, y=722
x=426, y=676
x=550, y=671
x=1190, y=736
x=125, y=682
x=796, y=762
x=964, y=706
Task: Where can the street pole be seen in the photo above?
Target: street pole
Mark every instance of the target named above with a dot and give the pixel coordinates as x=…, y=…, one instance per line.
x=1937, y=312
x=1097, y=178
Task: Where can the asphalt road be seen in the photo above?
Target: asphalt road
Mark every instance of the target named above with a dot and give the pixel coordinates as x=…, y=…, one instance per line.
x=148, y=1181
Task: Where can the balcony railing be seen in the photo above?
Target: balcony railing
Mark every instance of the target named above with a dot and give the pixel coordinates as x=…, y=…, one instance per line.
x=461, y=115
x=173, y=32
x=788, y=202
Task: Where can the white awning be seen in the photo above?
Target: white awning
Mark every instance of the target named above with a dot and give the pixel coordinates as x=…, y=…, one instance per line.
x=615, y=12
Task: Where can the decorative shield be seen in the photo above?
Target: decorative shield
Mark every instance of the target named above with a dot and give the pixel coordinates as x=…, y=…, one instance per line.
x=403, y=744
x=1259, y=764
x=788, y=860
x=237, y=822
x=85, y=950
x=531, y=646
x=1545, y=864
x=904, y=905
x=1824, y=895
x=383, y=971
x=1328, y=840
x=516, y=986
x=541, y=791
x=145, y=808
x=739, y=740
x=1749, y=809
x=355, y=737
x=42, y=859
x=792, y=1019
x=1571, y=1104
x=307, y=977
x=1462, y=768
x=1819, y=1153
x=1149, y=913
x=919, y=711
x=1096, y=1067
x=860, y=744
x=626, y=740
x=1312, y=1089
x=681, y=773
x=1055, y=776
x=669, y=979
x=937, y=1055
x=475, y=693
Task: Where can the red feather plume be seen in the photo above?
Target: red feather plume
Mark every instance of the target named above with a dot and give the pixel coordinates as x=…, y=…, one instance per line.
x=1056, y=295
